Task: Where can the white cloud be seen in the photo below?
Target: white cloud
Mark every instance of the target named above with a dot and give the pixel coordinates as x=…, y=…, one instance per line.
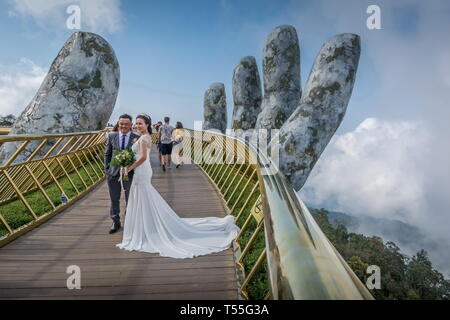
x=96, y=15
x=372, y=170
x=397, y=169
x=387, y=169
x=18, y=85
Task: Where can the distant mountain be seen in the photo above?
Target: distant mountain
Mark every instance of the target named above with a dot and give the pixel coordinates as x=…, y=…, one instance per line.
x=409, y=238
x=385, y=228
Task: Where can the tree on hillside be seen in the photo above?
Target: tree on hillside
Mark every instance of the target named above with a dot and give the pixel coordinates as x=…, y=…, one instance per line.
x=425, y=281
x=401, y=277
x=7, y=120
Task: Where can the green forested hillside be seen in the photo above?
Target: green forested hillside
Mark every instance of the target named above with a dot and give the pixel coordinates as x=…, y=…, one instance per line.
x=402, y=277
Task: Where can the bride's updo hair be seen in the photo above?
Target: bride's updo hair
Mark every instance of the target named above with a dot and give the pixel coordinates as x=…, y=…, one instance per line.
x=147, y=121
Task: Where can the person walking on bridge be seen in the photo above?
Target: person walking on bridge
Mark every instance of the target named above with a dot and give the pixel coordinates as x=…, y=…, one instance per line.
x=165, y=135
x=178, y=136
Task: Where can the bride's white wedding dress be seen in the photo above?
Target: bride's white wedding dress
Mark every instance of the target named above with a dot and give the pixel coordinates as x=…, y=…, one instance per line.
x=152, y=226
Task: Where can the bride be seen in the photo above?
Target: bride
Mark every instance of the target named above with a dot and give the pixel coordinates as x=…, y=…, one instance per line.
x=150, y=223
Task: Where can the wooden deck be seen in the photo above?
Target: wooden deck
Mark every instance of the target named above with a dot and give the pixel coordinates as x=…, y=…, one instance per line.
x=34, y=266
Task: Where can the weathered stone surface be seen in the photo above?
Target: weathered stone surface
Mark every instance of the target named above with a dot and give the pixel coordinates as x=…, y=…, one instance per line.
x=281, y=72
x=78, y=93
x=215, y=108
x=246, y=94
x=308, y=130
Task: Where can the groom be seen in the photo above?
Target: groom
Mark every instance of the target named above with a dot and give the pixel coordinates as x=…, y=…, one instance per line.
x=118, y=141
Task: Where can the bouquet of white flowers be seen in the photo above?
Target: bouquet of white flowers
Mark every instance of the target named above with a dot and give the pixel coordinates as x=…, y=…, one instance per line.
x=123, y=159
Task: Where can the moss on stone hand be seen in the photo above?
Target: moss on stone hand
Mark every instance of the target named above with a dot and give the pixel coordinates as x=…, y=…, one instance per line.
x=282, y=138
x=100, y=125
x=290, y=149
x=58, y=117
x=310, y=149
x=284, y=83
x=314, y=131
x=97, y=80
x=87, y=82
x=351, y=75
x=333, y=88
x=304, y=113
x=279, y=118
x=293, y=55
x=337, y=52
x=92, y=44
x=84, y=83
x=318, y=92
x=80, y=101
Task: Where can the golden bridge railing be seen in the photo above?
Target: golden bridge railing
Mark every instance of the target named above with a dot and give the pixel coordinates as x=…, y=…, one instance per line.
x=280, y=252
x=4, y=130
x=44, y=175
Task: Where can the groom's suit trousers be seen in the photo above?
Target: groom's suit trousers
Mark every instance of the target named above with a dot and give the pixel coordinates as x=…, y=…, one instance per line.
x=115, y=190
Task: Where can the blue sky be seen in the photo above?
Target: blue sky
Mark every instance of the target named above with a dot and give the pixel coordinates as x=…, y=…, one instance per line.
x=170, y=51
x=389, y=158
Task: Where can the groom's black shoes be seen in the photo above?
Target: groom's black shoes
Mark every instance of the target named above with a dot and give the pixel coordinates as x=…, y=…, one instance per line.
x=115, y=227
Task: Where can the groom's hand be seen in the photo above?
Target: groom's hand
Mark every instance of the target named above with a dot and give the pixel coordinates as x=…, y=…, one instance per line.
x=108, y=153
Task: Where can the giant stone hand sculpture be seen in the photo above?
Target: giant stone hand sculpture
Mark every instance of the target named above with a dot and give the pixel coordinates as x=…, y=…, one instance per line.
x=281, y=72
x=78, y=93
x=306, y=121
x=215, y=108
x=246, y=94
x=323, y=104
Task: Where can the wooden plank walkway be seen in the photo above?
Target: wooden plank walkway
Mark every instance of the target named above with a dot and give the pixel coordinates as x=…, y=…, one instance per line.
x=34, y=266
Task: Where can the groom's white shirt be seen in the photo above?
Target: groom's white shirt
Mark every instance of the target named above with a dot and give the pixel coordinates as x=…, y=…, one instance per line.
x=127, y=138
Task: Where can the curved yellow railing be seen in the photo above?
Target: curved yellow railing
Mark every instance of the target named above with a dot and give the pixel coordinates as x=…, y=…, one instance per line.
x=44, y=175
x=280, y=251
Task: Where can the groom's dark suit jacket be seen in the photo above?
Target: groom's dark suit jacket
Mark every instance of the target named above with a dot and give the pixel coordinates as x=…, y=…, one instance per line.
x=113, y=144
